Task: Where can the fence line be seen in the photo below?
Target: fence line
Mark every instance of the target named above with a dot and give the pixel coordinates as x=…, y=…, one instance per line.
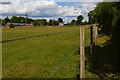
x=82, y=54
x=75, y=71
x=93, y=36
x=67, y=59
x=37, y=36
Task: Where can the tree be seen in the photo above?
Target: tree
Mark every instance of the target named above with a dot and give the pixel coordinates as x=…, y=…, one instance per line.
x=3, y=22
x=12, y=26
x=92, y=18
x=28, y=20
x=50, y=22
x=15, y=19
x=7, y=19
x=103, y=14
x=73, y=22
x=40, y=22
x=108, y=16
x=79, y=19
x=43, y=22
x=55, y=23
x=21, y=19
x=60, y=20
x=36, y=22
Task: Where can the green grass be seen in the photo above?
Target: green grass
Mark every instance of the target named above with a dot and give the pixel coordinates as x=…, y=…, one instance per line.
x=38, y=57
x=31, y=31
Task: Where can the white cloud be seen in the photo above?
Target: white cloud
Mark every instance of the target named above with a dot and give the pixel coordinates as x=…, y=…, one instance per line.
x=86, y=8
x=45, y=8
x=38, y=8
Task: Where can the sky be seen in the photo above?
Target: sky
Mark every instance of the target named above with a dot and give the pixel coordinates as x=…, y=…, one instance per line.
x=47, y=9
x=61, y=0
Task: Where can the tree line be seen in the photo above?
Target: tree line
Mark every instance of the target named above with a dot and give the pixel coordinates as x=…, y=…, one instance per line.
x=26, y=20
x=105, y=61
x=42, y=22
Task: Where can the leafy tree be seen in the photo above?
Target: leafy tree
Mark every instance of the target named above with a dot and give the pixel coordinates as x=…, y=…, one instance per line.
x=55, y=23
x=108, y=16
x=15, y=19
x=43, y=22
x=79, y=19
x=91, y=16
x=28, y=20
x=12, y=26
x=73, y=22
x=103, y=14
x=50, y=22
x=7, y=19
x=4, y=22
x=40, y=22
x=21, y=19
x=36, y=22
x=60, y=20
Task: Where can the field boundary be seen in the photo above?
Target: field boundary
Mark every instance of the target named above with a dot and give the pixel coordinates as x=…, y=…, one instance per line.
x=63, y=62
x=36, y=36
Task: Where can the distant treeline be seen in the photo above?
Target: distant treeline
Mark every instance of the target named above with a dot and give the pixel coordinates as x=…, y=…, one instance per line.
x=43, y=22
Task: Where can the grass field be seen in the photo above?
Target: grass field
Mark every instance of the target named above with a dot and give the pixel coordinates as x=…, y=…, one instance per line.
x=39, y=57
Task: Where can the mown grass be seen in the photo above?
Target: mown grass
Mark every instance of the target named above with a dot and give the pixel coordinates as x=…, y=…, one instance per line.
x=39, y=57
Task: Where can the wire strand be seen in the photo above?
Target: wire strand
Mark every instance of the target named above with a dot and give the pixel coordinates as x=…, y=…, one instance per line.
x=62, y=63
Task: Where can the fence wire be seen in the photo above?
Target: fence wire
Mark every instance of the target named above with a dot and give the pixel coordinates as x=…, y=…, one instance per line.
x=37, y=36
x=63, y=62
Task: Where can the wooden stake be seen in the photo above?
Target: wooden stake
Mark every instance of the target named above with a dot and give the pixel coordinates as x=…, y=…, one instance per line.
x=91, y=39
x=95, y=32
x=82, y=54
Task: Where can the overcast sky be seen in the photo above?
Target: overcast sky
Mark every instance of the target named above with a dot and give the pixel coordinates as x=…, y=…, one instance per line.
x=50, y=9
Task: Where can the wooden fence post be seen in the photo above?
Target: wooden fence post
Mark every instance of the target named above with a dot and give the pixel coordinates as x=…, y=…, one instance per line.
x=91, y=39
x=95, y=32
x=82, y=54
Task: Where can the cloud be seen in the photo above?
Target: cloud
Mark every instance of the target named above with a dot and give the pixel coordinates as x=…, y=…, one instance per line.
x=38, y=8
x=86, y=8
x=50, y=9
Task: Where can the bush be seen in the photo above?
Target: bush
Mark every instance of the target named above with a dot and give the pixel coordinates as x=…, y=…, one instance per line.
x=12, y=26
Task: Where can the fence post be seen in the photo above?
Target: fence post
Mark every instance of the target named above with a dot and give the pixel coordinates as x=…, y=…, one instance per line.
x=82, y=54
x=95, y=32
x=91, y=39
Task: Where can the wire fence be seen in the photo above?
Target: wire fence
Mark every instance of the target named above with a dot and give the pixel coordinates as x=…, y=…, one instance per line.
x=63, y=62
x=67, y=59
x=37, y=36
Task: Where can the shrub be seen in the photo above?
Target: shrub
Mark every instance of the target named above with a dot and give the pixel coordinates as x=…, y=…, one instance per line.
x=12, y=26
